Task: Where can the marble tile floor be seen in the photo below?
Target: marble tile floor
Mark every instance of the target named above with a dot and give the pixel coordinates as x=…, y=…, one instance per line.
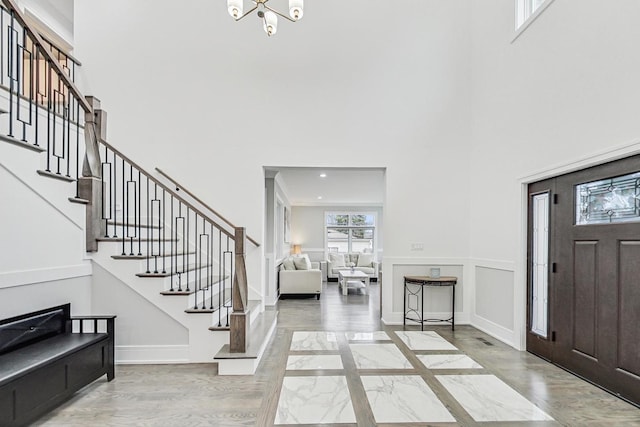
x=395, y=398
x=193, y=395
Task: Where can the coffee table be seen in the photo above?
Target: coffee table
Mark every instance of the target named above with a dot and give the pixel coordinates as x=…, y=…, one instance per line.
x=346, y=276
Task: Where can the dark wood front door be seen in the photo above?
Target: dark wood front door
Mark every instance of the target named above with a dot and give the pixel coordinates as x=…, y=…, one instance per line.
x=594, y=276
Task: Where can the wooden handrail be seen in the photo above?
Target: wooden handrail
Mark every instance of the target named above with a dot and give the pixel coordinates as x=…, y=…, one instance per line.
x=167, y=189
x=181, y=187
x=17, y=13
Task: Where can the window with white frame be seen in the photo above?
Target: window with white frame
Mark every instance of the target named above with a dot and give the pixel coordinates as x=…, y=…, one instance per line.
x=350, y=231
x=527, y=9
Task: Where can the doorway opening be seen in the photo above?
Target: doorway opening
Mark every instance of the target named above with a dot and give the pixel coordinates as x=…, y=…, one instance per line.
x=325, y=214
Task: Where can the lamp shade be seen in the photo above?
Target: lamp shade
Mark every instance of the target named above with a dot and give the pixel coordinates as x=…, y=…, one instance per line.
x=296, y=9
x=235, y=8
x=296, y=249
x=270, y=23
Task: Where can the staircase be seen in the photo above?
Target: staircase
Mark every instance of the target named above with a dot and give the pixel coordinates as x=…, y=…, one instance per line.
x=169, y=248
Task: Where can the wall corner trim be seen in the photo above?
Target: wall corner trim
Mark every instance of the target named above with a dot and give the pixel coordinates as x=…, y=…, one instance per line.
x=30, y=277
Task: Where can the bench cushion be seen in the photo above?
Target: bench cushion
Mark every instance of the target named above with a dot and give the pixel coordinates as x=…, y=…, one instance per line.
x=26, y=359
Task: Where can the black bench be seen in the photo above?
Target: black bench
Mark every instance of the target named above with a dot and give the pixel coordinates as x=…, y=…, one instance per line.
x=46, y=356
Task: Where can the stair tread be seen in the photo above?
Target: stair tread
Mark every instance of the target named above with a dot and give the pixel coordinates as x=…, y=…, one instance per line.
x=22, y=144
x=142, y=257
x=135, y=239
x=210, y=308
x=191, y=267
x=191, y=291
x=121, y=223
x=56, y=176
x=259, y=330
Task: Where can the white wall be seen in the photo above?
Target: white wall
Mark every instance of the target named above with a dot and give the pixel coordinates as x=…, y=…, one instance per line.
x=42, y=258
x=564, y=94
x=213, y=104
x=16, y=300
x=140, y=324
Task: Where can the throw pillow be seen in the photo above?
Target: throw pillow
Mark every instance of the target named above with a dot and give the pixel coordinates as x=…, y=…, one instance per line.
x=302, y=263
x=336, y=259
x=365, y=260
x=353, y=258
x=288, y=264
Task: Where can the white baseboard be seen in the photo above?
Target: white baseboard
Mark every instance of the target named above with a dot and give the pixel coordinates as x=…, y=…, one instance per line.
x=151, y=354
x=498, y=332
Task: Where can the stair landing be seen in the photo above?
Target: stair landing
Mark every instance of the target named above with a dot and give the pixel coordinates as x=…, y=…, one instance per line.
x=247, y=363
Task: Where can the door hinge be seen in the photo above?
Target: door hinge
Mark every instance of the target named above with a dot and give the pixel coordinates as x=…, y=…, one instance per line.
x=555, y=199
x=553, y=336
x=553, y=267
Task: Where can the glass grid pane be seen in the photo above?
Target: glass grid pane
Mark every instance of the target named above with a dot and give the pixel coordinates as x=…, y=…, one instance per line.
x=540, y=265
x=334, y=219
x=362, y=240
x=609, y=200
x=337, y=240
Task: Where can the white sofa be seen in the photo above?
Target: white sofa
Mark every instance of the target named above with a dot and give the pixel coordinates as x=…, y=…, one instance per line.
x=300, y=281
x=363, y=262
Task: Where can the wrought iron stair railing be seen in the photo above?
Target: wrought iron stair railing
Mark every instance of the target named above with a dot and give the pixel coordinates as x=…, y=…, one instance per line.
x=46, y=112
x=152, y=222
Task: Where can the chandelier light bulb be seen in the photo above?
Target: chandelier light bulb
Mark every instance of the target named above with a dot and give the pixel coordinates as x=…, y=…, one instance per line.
x=235, y=8
x=296, y=9
x=266, y=14
x=270, y=23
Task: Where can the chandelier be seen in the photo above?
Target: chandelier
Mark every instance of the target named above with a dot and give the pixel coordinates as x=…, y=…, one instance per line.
x=268, y=15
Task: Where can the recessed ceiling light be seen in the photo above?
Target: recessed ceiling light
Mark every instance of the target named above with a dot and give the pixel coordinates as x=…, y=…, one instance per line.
x=323, y=175
x=319, y=197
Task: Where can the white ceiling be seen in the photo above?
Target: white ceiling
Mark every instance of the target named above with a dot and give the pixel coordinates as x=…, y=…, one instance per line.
x=340, y=187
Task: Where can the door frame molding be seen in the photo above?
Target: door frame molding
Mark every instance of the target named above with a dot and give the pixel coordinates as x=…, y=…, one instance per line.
x=520, y=273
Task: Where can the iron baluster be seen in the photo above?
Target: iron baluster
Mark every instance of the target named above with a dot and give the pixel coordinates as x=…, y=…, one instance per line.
x=139, y=213
x=37, y=93
x=148, y=209
x=211, y=264
x=164, y=231
x=66, y=130
x=125, y=214
x=102, y=188
x=186, y=266
x=198, y=284
x=171, y=253
x=207, y=274
x=150, y=230
x=10, y=48
x=77, y=146
x=220, y=279
x=114, y=195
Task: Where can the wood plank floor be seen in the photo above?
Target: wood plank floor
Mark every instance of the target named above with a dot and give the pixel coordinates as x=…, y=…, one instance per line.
x=193, y=395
